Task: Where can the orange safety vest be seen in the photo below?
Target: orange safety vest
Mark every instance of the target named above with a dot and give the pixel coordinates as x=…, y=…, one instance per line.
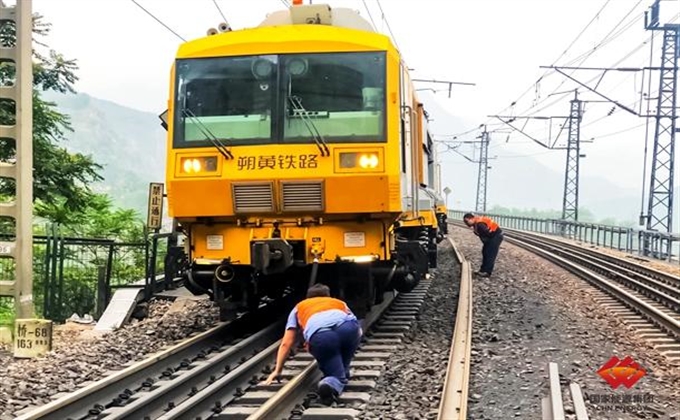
x=311, y=306
x=493, y=226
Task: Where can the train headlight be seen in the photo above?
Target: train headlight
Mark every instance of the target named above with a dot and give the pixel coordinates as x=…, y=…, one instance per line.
x=196, y=165
x=362, y=160
x=368, y=161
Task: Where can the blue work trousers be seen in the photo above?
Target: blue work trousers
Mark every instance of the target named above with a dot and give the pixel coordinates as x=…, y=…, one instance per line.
x=490, y=251
x=333, y=350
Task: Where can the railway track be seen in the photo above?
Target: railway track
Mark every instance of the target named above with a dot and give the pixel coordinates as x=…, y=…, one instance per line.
x=147, y=389
x=295, y=398
x=209, y=376
x=453, y=404
x=647, y=299
x=219, y=374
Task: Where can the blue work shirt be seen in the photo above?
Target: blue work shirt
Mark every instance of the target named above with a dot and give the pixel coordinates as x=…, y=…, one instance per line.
x=324, y=319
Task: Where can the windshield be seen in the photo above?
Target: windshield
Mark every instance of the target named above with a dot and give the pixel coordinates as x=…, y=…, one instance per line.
x=343, y=95
x=230, y=97
x=292, y=98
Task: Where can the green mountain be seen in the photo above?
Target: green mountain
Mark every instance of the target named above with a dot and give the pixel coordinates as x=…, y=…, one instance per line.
x=130, y=144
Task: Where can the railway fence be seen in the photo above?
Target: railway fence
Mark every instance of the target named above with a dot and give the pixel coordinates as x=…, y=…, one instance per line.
x=79, y=275
x=625, y=239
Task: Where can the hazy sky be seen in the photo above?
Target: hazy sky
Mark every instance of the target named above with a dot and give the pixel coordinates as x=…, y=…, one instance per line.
x=124, y=56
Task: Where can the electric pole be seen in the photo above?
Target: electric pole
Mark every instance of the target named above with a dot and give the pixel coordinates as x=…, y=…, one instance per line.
x=570, y=193
x=483, y=161
x=21, y=208
x=571, y=172
x=660, y=205
x=482, y=172
x=659, y=215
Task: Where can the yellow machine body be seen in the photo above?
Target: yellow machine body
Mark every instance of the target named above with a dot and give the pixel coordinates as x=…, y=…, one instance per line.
x=299, y=142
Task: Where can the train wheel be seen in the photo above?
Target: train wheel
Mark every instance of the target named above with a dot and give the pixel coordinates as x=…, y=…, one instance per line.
x=358, y=288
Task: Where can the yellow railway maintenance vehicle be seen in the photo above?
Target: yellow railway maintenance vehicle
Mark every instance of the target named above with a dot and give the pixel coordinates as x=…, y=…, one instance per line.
x=426, y=224
x=296, y=150
x=440, y=211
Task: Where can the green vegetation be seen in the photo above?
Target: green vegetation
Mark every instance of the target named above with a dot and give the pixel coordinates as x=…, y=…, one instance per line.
x=65, y=204
x=6, y=312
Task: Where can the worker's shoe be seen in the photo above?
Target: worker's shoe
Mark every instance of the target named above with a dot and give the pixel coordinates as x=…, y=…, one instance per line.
x=482, y=274
x=327, y=394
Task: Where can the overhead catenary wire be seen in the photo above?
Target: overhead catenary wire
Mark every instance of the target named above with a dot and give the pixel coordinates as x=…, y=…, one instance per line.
x=611, y=35
x=370, y=16
x=387, y=23
x=159, y=21
x=219, y=10
x=532, y=111
x=597, y=15
x=550, y=71
x=533, y=86
x=650, y=41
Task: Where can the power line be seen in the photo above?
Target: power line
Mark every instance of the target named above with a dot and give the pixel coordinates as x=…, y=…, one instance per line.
x=548, y=72
x=219, y=10
x=158, y=20
x=597, y=15
x=384, y=18
x=583, y=57
x=602, y=43
x=370, y=16
x=611, y=36
x=532, y=109
x=625, y=130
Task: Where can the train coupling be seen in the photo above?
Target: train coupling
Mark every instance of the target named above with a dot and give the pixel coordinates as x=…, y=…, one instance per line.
x=270, y=256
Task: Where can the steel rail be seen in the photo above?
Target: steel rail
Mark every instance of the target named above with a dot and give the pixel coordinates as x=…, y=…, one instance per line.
x=453, y=404
x=661, y=292
x=168, y=394
x=658, y=317
x=579, y=403
x=208, y=399
x=78, y=403
x=645, y=270
x=552, y=406
x=113, y=392
x=281, y=403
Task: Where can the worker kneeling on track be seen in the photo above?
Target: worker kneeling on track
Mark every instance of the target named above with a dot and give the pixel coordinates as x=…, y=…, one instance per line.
x=491, y=236
x=332, y=334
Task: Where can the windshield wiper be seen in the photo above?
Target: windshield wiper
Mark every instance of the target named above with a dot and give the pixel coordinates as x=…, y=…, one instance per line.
x=304, y=116
x=208, y=134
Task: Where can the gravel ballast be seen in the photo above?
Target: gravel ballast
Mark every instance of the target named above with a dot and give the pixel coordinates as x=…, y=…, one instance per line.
x=410, y=385
x=75, y=360
x=531, y=312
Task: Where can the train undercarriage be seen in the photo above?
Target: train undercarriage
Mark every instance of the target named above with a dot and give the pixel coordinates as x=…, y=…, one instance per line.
x=278, y=266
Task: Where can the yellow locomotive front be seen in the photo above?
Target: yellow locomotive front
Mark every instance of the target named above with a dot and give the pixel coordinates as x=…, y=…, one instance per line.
x=285, y=159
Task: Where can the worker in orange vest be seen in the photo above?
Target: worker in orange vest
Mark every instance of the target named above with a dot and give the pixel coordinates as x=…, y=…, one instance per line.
x=491, y=236
x=332, y=334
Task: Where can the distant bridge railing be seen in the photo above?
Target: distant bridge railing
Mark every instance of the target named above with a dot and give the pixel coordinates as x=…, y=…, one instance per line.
x=625, y=239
